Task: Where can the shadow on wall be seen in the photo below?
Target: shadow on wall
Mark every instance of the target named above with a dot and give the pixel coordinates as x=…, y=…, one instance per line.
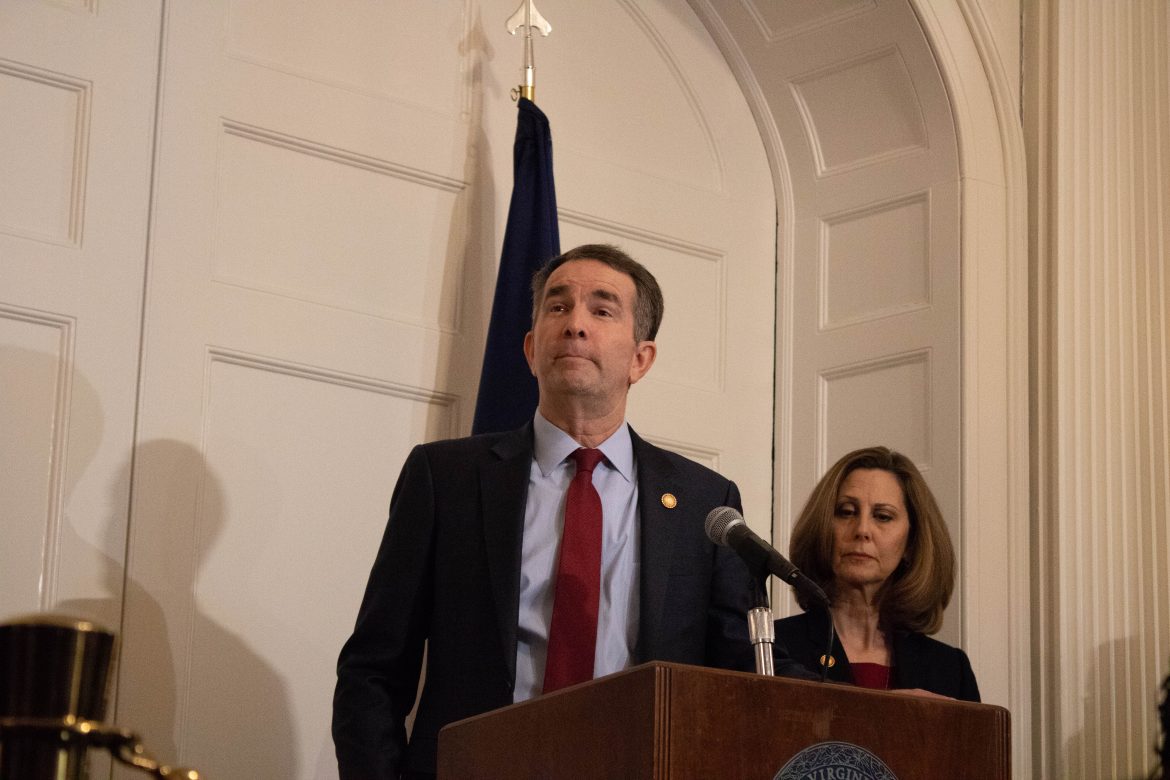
x=1111, y=743
x=471, y=241
x=199, y=694
x=46, y=450
x=107, y=612
x=52, y=425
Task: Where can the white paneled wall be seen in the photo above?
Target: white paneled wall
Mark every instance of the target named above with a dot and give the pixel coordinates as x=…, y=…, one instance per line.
x=396, y=140
x=77, y=87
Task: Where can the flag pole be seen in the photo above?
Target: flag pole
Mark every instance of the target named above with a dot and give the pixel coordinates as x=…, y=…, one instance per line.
x=508, y=394
x=528, y=18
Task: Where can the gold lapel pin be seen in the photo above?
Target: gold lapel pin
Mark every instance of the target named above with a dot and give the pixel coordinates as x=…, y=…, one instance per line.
x=669, y=501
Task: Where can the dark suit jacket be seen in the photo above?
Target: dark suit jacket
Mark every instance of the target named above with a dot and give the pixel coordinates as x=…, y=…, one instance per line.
x=448, y=575
x=919, y=661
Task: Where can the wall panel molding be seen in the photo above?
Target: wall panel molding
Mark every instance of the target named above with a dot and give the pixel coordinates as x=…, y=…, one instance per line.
x=342, y=156
x=707, y=456
x=818, y=16
x=839, y=146
x=670, y=59
x=904, y=379
x=61, y=332
x=72, y=166
x=671, y=243
x=864, y=220
x=358, y=233
x=446, y=401
x=372, y=63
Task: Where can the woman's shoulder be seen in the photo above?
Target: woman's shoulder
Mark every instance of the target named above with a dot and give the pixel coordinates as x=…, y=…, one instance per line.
x=934, y=647
x=925, y=662
x=795, y=649
x=800, y=623
x=803, y=636
x=799, y=619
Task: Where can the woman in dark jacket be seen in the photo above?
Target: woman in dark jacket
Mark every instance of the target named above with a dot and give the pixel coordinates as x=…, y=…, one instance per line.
x=872, y=536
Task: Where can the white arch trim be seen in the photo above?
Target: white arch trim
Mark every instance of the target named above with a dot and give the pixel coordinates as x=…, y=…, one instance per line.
x=995, y=579
x=997, y=592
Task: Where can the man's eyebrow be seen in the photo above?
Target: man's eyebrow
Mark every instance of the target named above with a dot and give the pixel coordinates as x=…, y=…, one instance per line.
x=606, y=295
x=553, y=292
x=600, y=293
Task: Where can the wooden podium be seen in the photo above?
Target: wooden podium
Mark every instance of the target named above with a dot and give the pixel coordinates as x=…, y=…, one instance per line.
x=662, y=720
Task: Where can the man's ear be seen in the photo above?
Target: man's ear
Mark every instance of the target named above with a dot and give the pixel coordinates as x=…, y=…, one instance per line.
x=528, y=352
x=644, y=354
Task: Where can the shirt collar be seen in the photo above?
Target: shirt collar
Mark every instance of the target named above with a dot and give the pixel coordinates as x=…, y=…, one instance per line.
x=552, y=446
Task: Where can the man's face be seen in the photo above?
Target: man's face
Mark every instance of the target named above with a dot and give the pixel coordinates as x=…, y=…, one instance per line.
x=582, y=343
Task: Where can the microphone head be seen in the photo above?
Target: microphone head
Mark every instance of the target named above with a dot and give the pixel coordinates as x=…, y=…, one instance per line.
x=719, y=521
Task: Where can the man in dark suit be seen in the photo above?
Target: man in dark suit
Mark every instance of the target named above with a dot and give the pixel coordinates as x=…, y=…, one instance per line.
x=468, y=564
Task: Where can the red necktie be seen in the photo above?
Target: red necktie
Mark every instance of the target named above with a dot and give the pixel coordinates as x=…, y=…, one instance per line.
x=572, y=637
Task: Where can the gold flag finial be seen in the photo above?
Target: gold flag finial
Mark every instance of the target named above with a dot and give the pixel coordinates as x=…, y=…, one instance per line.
x=528, y=18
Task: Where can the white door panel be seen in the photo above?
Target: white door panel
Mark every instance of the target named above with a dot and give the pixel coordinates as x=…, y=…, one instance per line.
x=77, y=87
x=77, y=91
x=303, y=302
x=868, y=316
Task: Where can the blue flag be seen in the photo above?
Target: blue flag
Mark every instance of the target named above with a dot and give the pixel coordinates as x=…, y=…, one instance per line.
x=507, y=390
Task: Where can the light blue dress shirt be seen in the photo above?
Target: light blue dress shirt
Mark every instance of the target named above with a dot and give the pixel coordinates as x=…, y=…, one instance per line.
x=544, y=517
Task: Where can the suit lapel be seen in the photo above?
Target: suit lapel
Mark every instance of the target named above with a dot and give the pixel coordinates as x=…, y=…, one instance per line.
x=504, y=488
x=655, y=477
x=818, y=623
x=907, y=661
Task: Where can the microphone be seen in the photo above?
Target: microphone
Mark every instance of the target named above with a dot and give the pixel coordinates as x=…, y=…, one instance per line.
x=726, y=527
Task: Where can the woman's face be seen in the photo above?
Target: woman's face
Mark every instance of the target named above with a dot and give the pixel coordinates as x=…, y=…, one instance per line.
x=870, y=529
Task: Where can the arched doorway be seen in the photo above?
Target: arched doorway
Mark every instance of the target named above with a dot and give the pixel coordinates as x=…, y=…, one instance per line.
x=857, y=103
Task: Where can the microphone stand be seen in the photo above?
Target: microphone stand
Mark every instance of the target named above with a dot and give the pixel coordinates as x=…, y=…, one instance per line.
x=760, y=628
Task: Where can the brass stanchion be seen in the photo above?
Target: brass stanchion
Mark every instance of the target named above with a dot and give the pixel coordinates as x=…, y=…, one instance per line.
x=54, y=675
